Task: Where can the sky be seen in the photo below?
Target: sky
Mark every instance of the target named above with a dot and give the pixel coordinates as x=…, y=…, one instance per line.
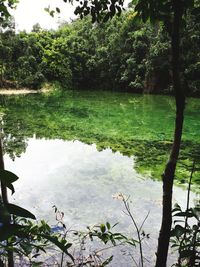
x=30, y=12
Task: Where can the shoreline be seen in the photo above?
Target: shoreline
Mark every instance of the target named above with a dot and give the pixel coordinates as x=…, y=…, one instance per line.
x=23, y=91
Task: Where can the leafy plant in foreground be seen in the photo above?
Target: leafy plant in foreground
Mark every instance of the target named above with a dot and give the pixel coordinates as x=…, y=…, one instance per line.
x=185, y=236
x=141, y=235
x=87, y=253
x=20, y=236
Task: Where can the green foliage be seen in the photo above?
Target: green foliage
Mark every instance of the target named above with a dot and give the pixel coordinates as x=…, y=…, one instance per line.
x=8, y=178
x=92, y=252
x=20, y=235
x=28, y=241
x=4, y=9
x=105, y=233
x=122, y=54
x=96, y=118
x=19, y=211
x=55, y=63
x=185, y=236
x=186, y=232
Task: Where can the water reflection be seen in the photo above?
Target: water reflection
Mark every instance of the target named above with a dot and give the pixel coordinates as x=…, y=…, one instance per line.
x=77, y=178
x=74, y=175
x=127, y=123
x=80, y=181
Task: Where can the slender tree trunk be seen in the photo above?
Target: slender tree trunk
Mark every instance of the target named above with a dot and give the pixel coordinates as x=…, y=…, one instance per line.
x=5, y=201
x=169, y=172
x=3, y=187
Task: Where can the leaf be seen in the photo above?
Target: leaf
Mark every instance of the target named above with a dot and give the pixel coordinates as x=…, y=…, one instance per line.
x=55, y=241
x=115, y=225
x=10, y=230
x=108, y=225
x=19, y=211
x=107, y=261
x=185, y=253
x=68, y=245
x=178, y=221
x=7, y=178
x=112, y=10
x=178, y=231
x=106, y=18
x=103, y=228
x=176, y=208
x=119, y=234
x=174, y=246
x=57, y=10
x=185, y=214
x=195, y=227
x=46, y=9
x=132, y=243
x=27, y=248
x=52, y=13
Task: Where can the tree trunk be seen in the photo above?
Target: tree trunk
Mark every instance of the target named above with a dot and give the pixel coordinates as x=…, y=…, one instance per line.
x=169, y=172
x=3, y=187
x=5, y=201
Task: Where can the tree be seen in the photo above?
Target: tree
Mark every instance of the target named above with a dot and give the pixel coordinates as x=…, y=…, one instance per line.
x=4, y=14
x=56, y=63
x=36, y=28
x=171, y=13
x=5, y=5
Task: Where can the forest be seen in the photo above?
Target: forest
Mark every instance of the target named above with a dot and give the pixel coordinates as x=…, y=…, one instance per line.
x=123, y=54
x=103, y=108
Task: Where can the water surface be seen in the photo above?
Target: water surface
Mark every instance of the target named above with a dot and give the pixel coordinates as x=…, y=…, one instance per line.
x=131, y=124
x=82, y=184
x=76, y=150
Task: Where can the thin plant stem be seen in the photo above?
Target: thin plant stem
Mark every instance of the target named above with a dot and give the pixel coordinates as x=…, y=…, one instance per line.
x=187, y=208
x=62, y=259
x=102, y=249
x=133, y=260
x=137, y=230
x=144, y=221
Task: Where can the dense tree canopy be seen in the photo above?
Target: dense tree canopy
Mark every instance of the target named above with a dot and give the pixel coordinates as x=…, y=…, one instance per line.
x=122, y=54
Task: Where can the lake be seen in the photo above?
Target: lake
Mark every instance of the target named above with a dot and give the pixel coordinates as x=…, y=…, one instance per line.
x=76, y=150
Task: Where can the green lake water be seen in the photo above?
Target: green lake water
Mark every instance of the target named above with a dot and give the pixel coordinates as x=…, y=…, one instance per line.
x=76, y=150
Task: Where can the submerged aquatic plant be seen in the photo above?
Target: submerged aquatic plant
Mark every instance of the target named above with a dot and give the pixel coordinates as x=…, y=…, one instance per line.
x=126, y=123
